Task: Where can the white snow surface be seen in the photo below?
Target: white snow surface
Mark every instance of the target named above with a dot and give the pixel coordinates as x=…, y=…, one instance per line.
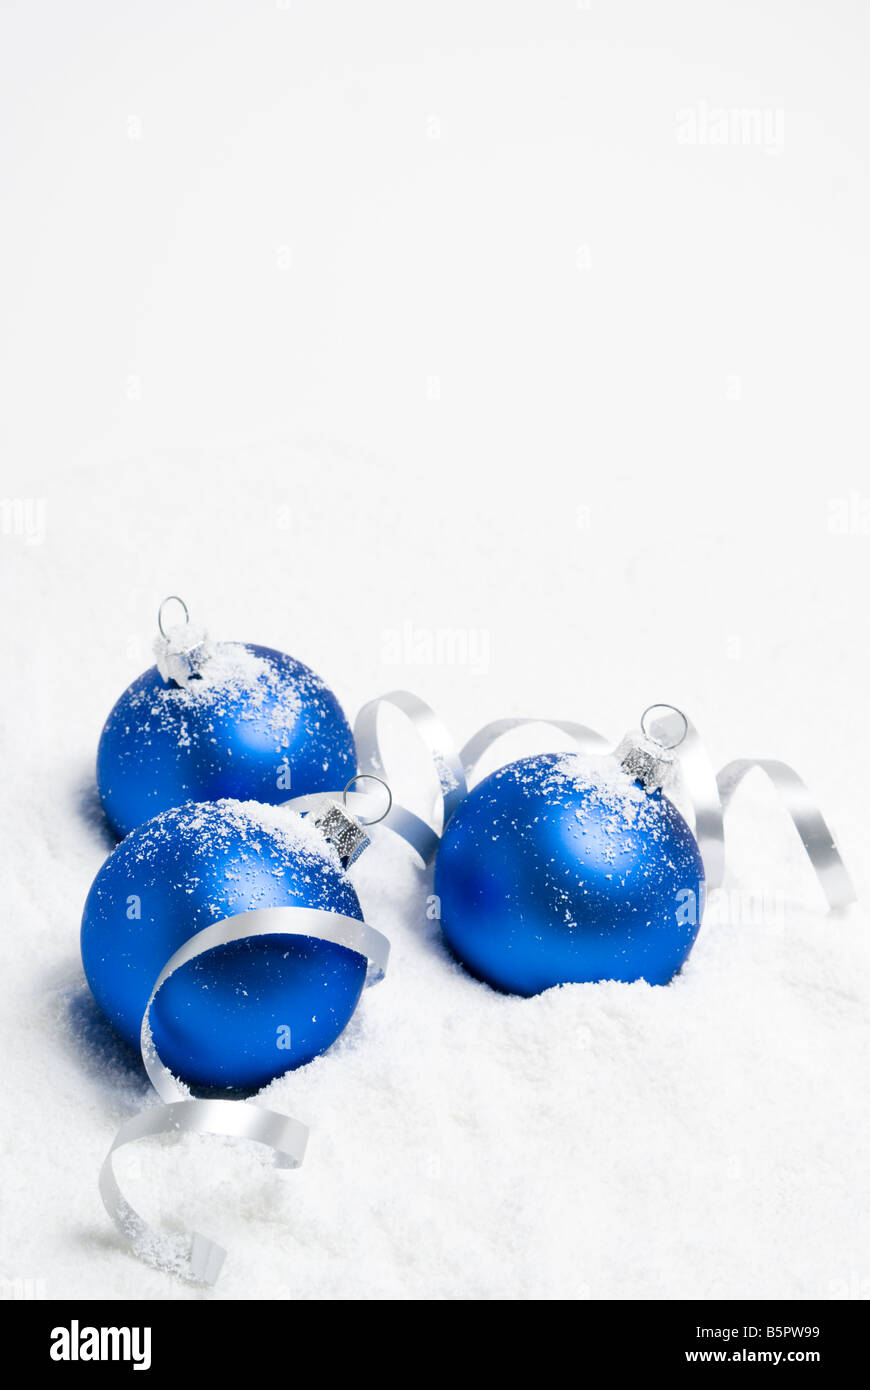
x=597, y=1141
x=420, y=346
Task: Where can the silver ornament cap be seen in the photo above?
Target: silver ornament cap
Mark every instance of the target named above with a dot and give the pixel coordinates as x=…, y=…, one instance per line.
x=648, y=753
x=645, y=761
x=183, y=649
x=343, y=831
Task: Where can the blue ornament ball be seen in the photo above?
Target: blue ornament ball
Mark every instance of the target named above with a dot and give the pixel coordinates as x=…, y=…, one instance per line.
x=255, y=724
x=242, y=1014
x=561, y=869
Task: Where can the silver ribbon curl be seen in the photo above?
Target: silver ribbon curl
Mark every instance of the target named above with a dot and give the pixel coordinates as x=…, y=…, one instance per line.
x=709, y=795
x=810, y=824
x=195, y=1255
x=438, y=743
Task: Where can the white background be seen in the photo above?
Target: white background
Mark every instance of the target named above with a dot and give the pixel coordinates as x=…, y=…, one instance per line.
x=350, y=322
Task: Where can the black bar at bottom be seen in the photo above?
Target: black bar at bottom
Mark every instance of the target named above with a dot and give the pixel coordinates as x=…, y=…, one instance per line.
x=205, y=1334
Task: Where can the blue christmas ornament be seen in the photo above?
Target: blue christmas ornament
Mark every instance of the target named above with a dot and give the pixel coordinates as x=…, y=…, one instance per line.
x=242, y=1014
x=571, y=868
x=214, y=720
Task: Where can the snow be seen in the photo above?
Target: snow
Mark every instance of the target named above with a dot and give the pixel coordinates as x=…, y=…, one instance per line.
x=607, y=786
x=276, y=832
x=596, y=1141
x=232, y=674
x=332, y=379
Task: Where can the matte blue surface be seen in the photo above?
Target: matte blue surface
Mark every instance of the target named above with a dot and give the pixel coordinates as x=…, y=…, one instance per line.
x=542, y=882
x=216, y=1020
x=161, y=746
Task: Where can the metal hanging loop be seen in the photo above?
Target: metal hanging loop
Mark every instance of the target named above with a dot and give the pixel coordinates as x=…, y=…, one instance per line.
x=370, y=777
x=647, y=733
x=170, y=598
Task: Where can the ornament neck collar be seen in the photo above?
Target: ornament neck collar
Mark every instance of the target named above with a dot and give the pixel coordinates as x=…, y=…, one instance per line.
x=645, y=761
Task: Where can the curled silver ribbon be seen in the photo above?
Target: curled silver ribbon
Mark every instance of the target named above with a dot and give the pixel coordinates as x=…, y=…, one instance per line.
x=440, y=747
x=709, y=795
x=195, y=1255
x=811, y=826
